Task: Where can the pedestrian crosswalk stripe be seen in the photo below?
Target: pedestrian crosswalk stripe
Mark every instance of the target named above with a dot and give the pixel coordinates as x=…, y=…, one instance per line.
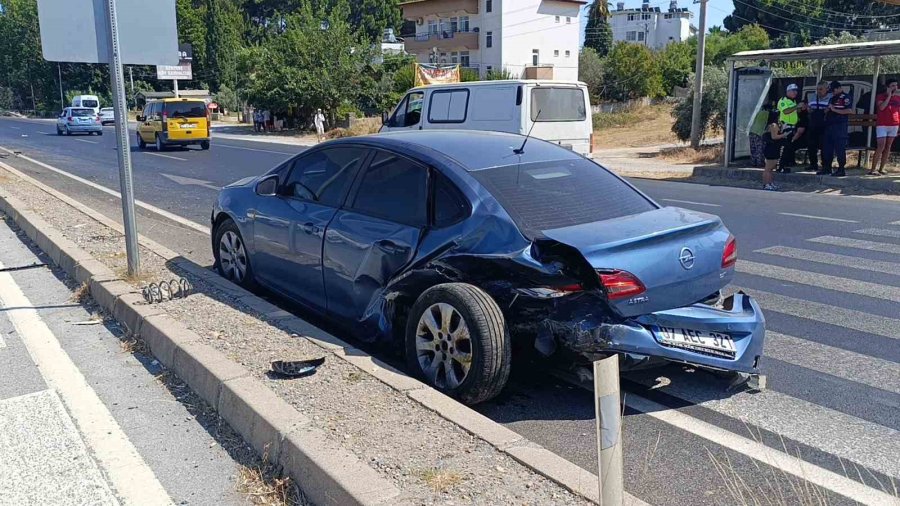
x=833, y=259
x=857, y=243
x=845, y=285
x=883, y=232
x=895, y=223
x=828, y=313
x=837, y=362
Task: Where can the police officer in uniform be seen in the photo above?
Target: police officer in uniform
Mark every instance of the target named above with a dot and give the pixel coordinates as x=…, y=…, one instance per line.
x=815, y=132
x=837, y=121
x=787, y=110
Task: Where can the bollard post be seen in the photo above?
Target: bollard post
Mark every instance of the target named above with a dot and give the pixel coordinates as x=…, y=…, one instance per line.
x=607, y=406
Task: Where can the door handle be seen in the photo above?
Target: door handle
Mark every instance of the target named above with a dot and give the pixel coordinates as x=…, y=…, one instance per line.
x=309, y=228
x=391, y=247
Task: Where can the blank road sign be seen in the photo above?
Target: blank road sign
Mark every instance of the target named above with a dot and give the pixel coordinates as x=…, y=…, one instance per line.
x=78, y=31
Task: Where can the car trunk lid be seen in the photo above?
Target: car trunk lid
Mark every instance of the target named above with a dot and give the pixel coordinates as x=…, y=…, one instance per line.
x=675, y=254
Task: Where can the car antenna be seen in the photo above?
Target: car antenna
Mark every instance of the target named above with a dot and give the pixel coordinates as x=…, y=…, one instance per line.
x=533, y=123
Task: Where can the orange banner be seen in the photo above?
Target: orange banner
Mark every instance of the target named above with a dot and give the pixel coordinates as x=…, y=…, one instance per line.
x=436, y=74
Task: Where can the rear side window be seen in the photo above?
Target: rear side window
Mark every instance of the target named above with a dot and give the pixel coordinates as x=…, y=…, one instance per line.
x=394, y=188
x=449, y=204
x=557, y=104
x=448, y=106
x=325, y=176
x=186, y=109
x=547, y=195
x=493, y=103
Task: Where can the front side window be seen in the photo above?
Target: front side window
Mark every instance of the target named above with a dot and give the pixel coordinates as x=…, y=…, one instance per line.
x=557, y=104
x=409, y=112
x=324, y=176
x=395, y=189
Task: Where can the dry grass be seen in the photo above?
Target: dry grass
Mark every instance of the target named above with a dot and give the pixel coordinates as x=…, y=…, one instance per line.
x=133, y=345
x=142, y=278
x=441, y=480
x=688, y=155
x=82, y=293
x=363, y=126
x=262, y=488
x=637, y=127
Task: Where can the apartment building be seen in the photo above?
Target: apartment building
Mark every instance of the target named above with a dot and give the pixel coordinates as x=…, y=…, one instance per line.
x=651, y=26
x=531, y=39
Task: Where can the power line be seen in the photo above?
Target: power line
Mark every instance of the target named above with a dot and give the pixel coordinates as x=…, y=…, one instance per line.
x=842, y=28
x=845, y=14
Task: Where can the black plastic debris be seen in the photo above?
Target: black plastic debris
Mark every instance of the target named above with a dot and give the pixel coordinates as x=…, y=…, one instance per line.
x=296, y=368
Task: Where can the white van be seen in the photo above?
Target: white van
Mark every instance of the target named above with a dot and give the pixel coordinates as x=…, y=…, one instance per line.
x=87, y=102
x=559, y=111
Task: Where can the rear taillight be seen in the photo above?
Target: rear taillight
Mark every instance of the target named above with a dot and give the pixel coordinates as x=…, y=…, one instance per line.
x=69, y=119
x=729, y=256
x=620, y=284
x=165, y=115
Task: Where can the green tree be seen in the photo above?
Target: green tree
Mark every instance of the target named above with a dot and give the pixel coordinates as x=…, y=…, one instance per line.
x=798, y=22
x=632, y=72
x=598, y=33
x=721, y=45
x=712, y=107
x=676, y=63
x=192, y=29
x=372, y=17
x=591, y=72
x=224, y=38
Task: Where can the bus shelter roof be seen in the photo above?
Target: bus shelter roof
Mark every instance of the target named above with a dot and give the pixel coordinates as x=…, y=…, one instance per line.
x=850, y=50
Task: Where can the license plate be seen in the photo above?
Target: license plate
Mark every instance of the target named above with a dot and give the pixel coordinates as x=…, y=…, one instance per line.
x=188, y=125
x=714, y=343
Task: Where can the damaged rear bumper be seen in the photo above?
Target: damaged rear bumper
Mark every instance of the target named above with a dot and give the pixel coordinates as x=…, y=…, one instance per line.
x=738, y=316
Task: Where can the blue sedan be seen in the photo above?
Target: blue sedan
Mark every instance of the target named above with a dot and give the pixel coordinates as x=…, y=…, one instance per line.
x=462, y=246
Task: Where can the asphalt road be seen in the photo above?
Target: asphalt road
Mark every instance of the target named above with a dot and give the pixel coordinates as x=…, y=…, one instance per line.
x=825, y=269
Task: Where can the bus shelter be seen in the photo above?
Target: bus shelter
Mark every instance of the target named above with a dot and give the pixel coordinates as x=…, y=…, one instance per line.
x=750, y=79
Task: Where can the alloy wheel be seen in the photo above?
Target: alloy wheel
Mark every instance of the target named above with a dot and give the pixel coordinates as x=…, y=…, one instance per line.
x=443, y=346
x=233, y=256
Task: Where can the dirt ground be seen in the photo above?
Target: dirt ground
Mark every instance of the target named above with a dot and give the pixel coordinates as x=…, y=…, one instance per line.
x=639, y=127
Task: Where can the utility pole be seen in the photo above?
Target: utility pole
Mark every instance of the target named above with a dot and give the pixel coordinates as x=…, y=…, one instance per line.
x=175, y=87
x=608, y=412
x=131, y=78
x=62, y=98
x=698, y=82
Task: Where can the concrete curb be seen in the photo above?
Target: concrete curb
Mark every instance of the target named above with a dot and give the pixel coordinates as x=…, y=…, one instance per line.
x=877, y=185
x=327, y=473
x=279, y=434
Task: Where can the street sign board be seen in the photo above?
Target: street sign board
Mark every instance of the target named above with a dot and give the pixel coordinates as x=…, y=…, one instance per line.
x=183, y=71
x=78, y=31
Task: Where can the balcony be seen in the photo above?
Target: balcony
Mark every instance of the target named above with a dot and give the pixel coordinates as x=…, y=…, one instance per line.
x=416, y=9
x=443, y=41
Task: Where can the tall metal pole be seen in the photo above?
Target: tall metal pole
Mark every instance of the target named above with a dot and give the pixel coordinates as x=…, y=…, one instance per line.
x=175, y=87
x=608, y=408
x=117, y=84
x=62, y=98
x=131, y=78
x=696, y=132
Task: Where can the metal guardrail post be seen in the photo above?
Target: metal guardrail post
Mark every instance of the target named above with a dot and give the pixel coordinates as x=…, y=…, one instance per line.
x=608, y=407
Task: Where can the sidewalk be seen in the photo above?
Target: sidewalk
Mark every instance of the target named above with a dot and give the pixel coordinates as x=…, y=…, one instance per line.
x=244, y=132
x=855, y=179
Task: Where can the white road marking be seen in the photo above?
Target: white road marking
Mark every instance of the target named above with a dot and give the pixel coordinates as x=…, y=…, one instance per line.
x=189, y=181
x=837, y=362
x=883, y=232
x=132, y=478
x=166, y=214
x=15, y=128
x=828, y=313
x=87, y=141
x=166, y=156
x=692, y=203
x=817, y=217
x=846, y=285
x=894, y=223
x=252, y=149
x=833, y=259
x=858, y=244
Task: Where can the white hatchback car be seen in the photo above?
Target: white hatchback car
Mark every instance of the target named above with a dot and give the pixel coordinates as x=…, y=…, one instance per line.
x=78, y=119
x=107, y=116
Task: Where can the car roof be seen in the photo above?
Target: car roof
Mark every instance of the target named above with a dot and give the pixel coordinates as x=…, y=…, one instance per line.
x=501, y=82
x=472, y=149
x=168, y=100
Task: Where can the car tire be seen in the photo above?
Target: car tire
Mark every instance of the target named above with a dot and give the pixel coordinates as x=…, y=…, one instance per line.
x=159, y=143
x=466, y=326
x=68, y=132
x=231, y=257
x=58, y=131
x=140, y=142
x=100, y=133
x=204, y=145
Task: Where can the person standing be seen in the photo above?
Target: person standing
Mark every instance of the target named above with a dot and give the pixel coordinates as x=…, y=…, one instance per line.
x=319, y=122
x=815, y=131
x=788, y=112
x=887, y=106
x=774, y=142
x=757, y=130
x=837, y=121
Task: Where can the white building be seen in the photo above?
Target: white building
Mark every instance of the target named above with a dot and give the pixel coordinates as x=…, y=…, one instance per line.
x=648, y=25
x=532, y=39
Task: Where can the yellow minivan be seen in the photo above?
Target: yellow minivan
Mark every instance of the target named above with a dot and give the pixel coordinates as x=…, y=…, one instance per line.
x=174, y=122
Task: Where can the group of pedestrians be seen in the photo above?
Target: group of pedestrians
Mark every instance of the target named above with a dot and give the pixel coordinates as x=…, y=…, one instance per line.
x=263, y=121
x=821, y=125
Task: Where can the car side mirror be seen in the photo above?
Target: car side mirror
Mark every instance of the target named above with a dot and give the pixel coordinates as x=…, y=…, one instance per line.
x=384, y=118
x=268, y=187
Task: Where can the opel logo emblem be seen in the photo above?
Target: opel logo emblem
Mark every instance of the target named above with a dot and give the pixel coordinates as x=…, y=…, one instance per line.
x=686, y=257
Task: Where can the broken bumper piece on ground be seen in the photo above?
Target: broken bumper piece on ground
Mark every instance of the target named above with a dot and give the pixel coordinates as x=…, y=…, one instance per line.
x=728, y=336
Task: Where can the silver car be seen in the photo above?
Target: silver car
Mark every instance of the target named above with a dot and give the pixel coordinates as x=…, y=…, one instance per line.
x=78, y=119
x=107, y=116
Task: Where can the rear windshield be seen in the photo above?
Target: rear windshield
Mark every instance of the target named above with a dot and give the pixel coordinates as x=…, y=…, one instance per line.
x=548, y=195
x=89, y=103
x=186, y=109
x=82, y=112
x=557, y=104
